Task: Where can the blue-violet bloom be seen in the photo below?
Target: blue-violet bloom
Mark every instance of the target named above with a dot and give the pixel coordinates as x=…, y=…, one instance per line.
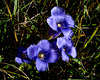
x=54, y=34
x=60, y=22
x=66, y=47
x=22, y=56
x=43, y=54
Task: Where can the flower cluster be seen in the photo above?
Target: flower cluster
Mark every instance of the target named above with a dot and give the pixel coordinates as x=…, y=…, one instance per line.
x=45, y=52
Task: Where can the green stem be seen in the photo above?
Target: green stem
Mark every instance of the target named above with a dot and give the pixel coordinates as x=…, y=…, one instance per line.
x=57, y=2
x=91, y=36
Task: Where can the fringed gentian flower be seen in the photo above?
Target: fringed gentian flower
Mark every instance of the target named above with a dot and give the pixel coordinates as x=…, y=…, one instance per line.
x=66, y=47
x=43, y=54
x=22, y=56
x=54, y=34
x=60, y=22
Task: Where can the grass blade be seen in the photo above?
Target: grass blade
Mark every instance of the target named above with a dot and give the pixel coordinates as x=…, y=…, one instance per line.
x=91, y=36
x=15, y=7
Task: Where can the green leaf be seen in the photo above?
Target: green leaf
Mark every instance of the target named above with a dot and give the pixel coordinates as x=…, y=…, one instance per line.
x=97, y=55
x=1, y=58
x=93, y=34
x=98, y=7
x=6, y=67
x=5, y=26
x=15, y=7
x=4, y=22
x=33, y=27
x=28, y=35
x=77, y=61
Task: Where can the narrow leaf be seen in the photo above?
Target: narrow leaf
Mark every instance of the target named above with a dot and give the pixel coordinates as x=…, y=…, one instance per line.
x=15, y=7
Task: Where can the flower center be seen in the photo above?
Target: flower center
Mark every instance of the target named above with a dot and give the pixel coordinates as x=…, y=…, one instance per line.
x=59, y=25
x=63, y=49
x=41, y=55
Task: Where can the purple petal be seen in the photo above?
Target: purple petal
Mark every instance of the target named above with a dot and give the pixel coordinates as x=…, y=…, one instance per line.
x=52, y=23
x=67, y=32
x=69, y=21
x=18, y=60
x=27, y=61
x=72, y=52
x=52, y=57
x=44, y=44
x=56, y=35
x=53, y=20
x=62, y=41
x=54, y=46
x=57, y=11
x=64, y=56
x=32, y=51
x=25, y=51
x=59, y=19
x=51, y=31
x=41, y=65
x=21, y=50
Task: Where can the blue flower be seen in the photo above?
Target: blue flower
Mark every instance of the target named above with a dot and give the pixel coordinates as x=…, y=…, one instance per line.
x=53, y=33
x=43, y=54
x=60, y=22
x=22, y=56
x=66, y=47
x=32, y=52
